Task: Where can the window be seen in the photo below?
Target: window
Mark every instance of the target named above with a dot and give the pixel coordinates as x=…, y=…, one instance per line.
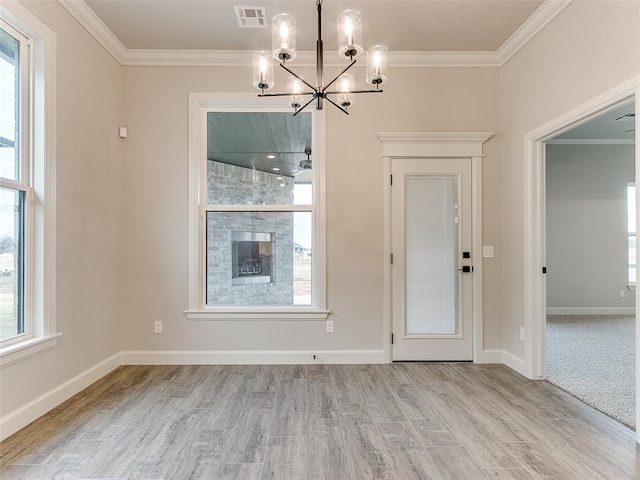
x=257, y=220
x=27, y=159
x=14, y=185
x=631, y=233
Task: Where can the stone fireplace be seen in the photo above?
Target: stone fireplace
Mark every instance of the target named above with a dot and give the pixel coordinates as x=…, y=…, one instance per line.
x=249, y=254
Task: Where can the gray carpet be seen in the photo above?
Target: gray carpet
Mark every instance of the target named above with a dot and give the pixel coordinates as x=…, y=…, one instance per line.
x=593, y=358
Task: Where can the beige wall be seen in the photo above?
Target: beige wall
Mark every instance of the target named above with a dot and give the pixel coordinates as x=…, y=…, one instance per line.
x=586, y=226
x=154, y=263
x=89, y=173
x=590, y=48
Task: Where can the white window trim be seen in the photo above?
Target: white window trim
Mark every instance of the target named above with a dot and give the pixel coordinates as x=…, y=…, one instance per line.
x=199, y=104
x=41, y=267
x=631, y=285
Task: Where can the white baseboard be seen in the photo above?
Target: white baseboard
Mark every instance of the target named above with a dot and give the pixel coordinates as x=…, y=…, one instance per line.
x=23, y=416
x=263, y=357
x=20, y=418
x=515, y=363
x=489, y=356
x=503, y=357
x=591, y=311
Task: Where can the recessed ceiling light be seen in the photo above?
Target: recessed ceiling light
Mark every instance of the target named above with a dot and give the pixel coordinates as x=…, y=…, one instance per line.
x=271, y=157
x=627, y=117
x=275, y=169
x=279, y=178
x=282, y=185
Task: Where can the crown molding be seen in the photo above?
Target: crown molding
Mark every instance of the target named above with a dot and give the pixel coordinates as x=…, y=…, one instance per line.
x=226, y=58
x=86, y=17
x=79, y=10
x=542, y=17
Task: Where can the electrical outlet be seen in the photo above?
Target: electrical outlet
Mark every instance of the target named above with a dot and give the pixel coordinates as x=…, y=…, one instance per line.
x=329, y=326
x=157, y=327
x=621, y=293
x=521, y=333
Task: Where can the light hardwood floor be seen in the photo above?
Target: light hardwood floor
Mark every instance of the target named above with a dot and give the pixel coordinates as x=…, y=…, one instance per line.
x=403, y=421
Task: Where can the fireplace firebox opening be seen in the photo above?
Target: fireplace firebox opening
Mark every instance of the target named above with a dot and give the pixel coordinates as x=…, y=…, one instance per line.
x=251, y=257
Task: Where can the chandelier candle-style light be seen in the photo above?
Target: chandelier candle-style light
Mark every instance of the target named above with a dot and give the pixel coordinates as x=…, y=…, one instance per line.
x=283, y=31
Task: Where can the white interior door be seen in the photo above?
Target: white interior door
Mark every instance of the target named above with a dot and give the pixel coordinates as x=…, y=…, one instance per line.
x=432, y=259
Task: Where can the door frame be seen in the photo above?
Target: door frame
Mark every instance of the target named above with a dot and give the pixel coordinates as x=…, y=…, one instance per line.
x=432, y=146
x=534, y=294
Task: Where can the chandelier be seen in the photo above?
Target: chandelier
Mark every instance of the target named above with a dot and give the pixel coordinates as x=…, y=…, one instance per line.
x=283, y=31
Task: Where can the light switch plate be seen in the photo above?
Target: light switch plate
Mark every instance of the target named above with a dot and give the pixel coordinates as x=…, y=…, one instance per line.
x=488, y=252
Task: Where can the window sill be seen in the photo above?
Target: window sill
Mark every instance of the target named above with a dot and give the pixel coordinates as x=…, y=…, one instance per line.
x=19, y=351
x=276, y=313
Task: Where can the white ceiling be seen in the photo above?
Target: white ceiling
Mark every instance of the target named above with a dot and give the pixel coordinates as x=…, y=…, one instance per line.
x=616, y=126
x=401, y=25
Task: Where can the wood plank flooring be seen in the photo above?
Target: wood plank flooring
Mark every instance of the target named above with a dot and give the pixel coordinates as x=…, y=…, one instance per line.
x=405, y=421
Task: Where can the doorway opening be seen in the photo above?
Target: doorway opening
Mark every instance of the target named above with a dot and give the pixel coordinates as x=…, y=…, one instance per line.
x=591, y=262
x=536, y=267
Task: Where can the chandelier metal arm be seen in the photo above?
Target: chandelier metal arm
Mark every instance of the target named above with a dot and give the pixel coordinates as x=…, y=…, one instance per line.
x=305, y=105
x=352, y=91
x=353, y=62
x=299, y=78
x=286, y=94
x=336, y=105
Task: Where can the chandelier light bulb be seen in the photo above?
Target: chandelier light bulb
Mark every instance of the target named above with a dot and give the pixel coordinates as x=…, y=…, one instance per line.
x=283, y=37
x=262, y=71
x=346, y=84
x=348, y=30
x=377, y=65
x=294, y=86
x=349, y=33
